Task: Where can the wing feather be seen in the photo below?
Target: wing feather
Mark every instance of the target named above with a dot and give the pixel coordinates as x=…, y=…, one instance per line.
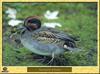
x=49, y=35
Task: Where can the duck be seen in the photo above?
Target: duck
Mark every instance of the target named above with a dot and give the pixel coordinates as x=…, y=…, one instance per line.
x=45, y=41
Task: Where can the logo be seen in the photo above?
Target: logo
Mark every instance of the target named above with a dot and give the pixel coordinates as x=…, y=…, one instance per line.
x=5, y=69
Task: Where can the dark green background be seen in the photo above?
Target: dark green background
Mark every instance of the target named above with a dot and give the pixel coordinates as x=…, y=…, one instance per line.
x=78, y=19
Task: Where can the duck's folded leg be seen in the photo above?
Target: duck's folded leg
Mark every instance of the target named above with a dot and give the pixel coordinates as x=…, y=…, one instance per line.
x=51, y=59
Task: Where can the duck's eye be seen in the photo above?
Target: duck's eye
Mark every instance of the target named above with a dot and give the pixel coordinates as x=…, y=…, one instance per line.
x=32, y=26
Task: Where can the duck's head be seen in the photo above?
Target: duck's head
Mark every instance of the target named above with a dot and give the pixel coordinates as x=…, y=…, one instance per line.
x=32, y=23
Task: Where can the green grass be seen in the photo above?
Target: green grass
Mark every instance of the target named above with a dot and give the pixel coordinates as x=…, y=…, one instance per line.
x=78, y=19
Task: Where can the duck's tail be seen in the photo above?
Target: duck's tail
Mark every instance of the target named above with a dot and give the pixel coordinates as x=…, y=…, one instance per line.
x=71, y=49
x=70, y=46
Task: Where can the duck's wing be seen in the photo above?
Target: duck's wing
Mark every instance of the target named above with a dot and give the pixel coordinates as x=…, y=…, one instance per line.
x=62, y=35
x=69, y=40
x=50, y=35
x=47, y=37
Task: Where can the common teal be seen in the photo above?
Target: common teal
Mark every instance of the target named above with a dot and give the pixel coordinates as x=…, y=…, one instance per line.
x=45, y=41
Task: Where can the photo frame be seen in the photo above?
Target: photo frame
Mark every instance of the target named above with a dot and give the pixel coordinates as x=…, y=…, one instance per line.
x=46, y=69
